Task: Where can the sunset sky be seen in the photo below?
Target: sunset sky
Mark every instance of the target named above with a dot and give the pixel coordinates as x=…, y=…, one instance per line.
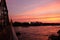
x=34, y=10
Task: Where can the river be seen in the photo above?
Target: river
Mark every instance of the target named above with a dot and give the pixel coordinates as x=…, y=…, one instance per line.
x=37, y=32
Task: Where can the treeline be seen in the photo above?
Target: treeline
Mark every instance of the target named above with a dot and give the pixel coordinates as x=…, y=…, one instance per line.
x=34, y=24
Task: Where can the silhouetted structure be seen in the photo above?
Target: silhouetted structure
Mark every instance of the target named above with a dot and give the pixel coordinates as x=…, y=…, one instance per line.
x=5, y=29
x=58, y=34
x=53, y=37
x=4, y=13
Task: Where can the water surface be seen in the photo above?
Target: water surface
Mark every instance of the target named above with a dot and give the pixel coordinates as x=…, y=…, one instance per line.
x=37, y=32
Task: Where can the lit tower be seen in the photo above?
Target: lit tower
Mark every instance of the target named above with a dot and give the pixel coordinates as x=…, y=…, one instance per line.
x=5, y=29
x=4, y=13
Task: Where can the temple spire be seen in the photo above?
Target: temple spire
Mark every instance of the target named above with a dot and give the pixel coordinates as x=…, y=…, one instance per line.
x=4, y=13
x=5, y=28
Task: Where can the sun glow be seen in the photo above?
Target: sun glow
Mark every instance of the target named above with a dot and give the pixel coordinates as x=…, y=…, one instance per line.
x=53, y=19
x=33, y=10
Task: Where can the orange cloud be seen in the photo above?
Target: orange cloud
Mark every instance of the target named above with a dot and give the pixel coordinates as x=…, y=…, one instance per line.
x=43, y=18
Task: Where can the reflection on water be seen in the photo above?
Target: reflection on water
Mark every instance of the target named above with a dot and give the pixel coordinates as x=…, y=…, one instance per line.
x=36, y=33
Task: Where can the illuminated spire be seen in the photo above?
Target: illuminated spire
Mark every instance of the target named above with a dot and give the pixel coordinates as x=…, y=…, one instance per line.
x=4, y=13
